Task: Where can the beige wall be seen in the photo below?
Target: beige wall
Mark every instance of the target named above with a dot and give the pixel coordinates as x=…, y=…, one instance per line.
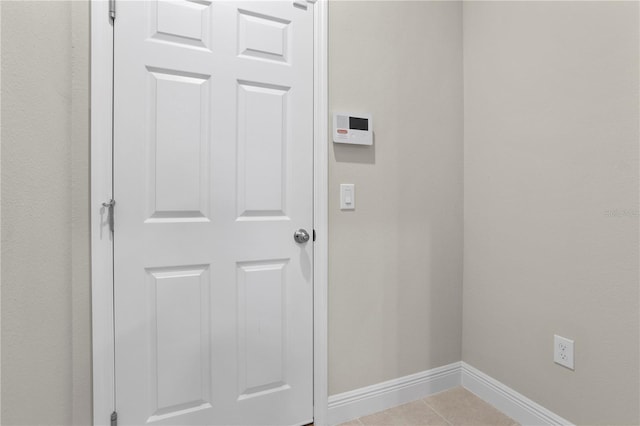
x=551, y=147
x=45, y=261
x=46, y=373
x=551, y=122
x=395, y=263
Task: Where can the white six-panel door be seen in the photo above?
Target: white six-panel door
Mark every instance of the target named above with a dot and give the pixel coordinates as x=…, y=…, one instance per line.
x=213, y=173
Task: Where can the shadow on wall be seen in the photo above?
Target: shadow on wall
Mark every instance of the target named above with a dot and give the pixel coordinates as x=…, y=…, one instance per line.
x=360, y=154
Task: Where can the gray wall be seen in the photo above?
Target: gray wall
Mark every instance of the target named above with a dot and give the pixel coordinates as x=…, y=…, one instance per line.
x=395, y=263
x=46, y=327
x=551, y=150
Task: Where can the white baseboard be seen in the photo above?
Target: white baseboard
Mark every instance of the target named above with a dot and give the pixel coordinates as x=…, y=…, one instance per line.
x=382, y=396
x=513, y=404
x=371, y=399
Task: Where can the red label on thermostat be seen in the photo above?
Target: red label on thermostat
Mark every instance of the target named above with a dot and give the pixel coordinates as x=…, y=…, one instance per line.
x=342, y=131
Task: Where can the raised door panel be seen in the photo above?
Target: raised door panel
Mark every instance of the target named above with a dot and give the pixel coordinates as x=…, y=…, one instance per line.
x=263, y=36
x=178, y=152
x=262, y=327
x=263, y=132
x=184, y=22
x=180, y=343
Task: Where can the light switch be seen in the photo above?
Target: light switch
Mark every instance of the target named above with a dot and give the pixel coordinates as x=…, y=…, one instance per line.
x=347, y=196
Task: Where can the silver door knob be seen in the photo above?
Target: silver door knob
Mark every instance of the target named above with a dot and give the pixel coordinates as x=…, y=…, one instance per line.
x=301, y=236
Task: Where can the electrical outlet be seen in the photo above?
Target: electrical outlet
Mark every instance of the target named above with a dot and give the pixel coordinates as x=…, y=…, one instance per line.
x=563, y=351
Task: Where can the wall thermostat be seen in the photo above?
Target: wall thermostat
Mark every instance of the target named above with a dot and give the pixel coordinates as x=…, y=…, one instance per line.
x=353, y=128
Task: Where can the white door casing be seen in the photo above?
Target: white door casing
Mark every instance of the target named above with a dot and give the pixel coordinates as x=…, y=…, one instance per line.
x=213, y=172
x=103, y=377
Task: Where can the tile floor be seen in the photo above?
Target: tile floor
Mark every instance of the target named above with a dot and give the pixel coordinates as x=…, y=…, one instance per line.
x=455, y=407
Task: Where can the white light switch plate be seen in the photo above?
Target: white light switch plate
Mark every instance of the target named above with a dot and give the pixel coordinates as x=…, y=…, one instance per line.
x=347, y=196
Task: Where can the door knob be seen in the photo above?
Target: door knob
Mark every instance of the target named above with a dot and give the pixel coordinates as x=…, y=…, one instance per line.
x=301, y=236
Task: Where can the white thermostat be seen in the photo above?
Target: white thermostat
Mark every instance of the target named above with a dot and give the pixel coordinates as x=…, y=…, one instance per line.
x=353, y=128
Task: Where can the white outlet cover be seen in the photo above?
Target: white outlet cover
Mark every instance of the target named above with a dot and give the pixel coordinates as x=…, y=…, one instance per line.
x=563, y=351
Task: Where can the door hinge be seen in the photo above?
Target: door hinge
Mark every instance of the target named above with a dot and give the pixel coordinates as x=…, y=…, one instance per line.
x=109, y=205
x=114, y=419
x=314, y=235
x=112, y=9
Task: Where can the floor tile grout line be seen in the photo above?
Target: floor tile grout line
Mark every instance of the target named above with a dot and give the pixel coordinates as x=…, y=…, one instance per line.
x=436, y=411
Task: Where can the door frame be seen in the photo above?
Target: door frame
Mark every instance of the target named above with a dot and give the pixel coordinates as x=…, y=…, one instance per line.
x=101, y=190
